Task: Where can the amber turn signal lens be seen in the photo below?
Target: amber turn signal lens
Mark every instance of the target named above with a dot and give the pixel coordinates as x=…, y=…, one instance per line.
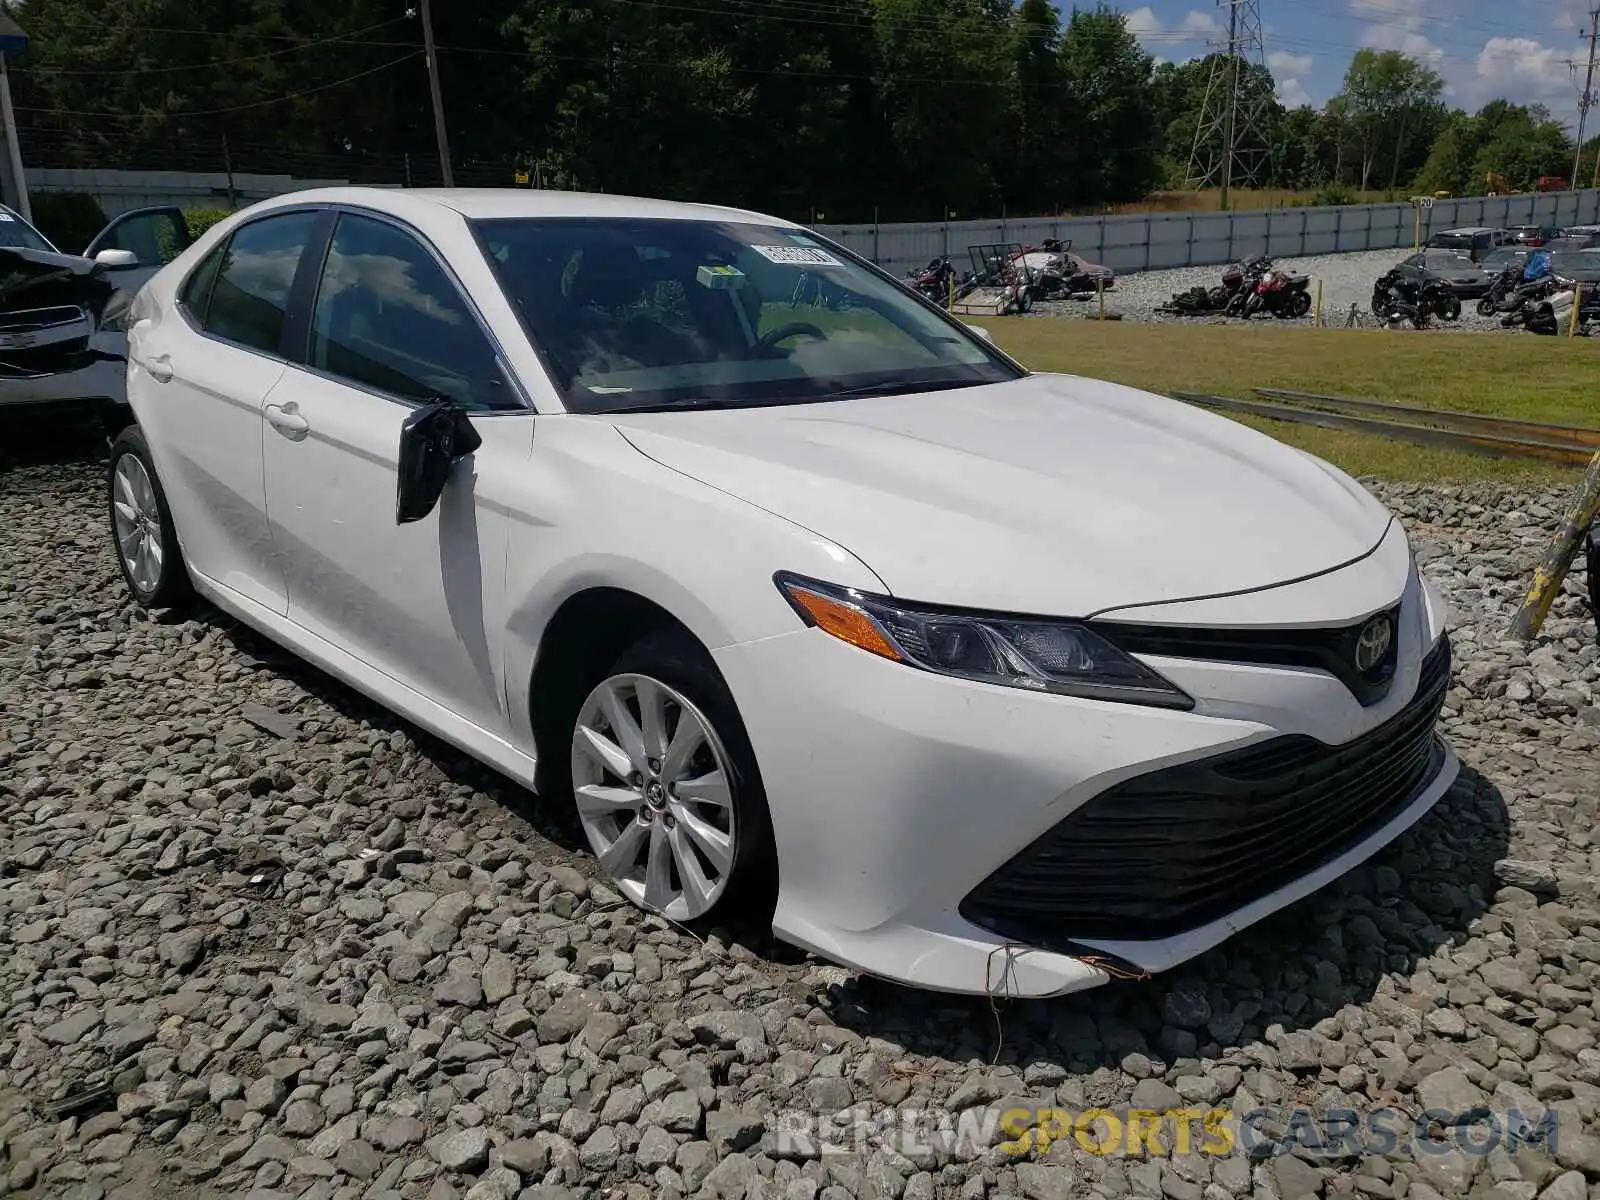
x=844, y=621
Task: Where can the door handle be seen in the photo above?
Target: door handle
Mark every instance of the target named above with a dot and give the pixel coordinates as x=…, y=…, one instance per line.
x=286, y=418
x=159, y=366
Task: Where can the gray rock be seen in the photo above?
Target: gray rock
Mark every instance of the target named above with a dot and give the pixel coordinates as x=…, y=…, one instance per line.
x=601, y=1151
x=1040, y=1181
x=183, y=950
x=565, y=1019
x=463, y=1150
x=730, y=1129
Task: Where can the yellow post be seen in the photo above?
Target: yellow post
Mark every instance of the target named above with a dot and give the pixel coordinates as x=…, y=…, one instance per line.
x=950, y=293
x=1317, y=319
x=1100, y=294
x=1416, y=236
x=1577, y=307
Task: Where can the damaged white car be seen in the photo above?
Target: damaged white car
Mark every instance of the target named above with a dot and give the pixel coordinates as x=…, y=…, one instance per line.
x=967, y=677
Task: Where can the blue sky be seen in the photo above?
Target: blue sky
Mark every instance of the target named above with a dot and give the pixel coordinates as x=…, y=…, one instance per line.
x=1483, y=48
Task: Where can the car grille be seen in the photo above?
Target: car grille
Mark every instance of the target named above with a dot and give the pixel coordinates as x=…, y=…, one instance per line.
x=40, y=341
x=1330, y=650
x=1167, y=852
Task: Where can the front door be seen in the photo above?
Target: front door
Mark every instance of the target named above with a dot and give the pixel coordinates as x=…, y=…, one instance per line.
x=420, y=602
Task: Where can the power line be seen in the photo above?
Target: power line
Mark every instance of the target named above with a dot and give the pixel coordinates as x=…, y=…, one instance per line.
x=232, y=108
x=221, y=62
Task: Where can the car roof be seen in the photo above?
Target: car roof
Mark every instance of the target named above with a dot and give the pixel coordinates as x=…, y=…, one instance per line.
x=490, y=203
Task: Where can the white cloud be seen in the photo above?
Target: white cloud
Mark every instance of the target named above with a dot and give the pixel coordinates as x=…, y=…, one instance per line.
x=1292, y=93
x=1524, y=71
x=1280, y=63
x=1157, y=35
x=1417, y=45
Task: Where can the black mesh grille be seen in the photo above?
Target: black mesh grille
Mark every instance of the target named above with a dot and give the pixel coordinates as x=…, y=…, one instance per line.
x=1169, y=851
x=1331, y=650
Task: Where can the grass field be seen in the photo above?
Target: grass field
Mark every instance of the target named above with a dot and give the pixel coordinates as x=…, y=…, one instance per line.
x=1511, y=375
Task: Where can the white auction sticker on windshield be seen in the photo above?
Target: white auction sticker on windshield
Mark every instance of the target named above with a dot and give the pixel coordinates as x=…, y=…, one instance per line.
x=797, y=256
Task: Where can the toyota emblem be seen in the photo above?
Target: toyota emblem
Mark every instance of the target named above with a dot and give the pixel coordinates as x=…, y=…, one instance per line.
x=1373, y=643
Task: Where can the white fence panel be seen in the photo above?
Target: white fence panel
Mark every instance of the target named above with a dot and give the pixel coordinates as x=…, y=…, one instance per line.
x=1141, y=242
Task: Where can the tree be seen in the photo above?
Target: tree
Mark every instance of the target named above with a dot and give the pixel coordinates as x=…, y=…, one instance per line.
x=1041, y=137
x=1387, y=96
x=1108, y=76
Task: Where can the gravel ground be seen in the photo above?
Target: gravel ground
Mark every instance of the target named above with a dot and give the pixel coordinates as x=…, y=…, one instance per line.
x=1346, y=279
x=306, y=951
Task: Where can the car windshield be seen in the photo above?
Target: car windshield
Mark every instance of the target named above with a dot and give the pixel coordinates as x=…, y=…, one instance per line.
x=1575, y=262
x=668, y=314
x=1506, y=255
x=1448, y=260
x=1455, y=241
x=17, y=233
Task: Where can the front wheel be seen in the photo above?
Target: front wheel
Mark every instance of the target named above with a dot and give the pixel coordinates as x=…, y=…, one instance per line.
x=667, y=789
x=1450, y=308
x=1299, y=304
x=141, y=525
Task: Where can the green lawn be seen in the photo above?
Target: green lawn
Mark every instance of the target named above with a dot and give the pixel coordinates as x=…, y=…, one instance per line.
x=1514, y=375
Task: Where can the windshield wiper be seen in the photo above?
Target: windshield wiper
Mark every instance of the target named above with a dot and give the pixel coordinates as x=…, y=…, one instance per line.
x=902, y=387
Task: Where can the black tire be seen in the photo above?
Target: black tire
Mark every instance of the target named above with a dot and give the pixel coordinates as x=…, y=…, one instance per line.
x=170, y=586
x=1300, y=304
x=1450, y=308
x=677, y=660
x=1486, y=307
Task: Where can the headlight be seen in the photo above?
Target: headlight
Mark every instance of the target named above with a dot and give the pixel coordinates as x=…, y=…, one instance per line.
x=1064, y=657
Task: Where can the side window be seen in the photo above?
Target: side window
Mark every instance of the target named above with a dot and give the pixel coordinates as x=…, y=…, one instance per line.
x=196, y=291
x=155, y=237
x=252, y=286
x=388, y=317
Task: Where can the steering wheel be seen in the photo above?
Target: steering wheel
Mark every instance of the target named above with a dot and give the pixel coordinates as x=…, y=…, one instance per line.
x=793, y=329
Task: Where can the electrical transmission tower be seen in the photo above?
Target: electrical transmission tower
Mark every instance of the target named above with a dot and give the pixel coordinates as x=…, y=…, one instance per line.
x=1230, y=143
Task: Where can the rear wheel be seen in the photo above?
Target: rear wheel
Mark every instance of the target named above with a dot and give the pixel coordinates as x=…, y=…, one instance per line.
x=667, y=789
x=1450, y=308
x=1486, y=307
x=141, y=524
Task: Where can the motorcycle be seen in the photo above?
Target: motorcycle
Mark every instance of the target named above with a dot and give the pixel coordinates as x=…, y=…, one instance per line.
x=1398, y=298
x=1501, y=296
x=1287, y=297
x=1238, y=285
x=936, y=281
x=1401, y=296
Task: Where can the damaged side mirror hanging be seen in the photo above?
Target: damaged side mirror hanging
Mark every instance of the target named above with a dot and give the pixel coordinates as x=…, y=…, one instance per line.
x=432, y=439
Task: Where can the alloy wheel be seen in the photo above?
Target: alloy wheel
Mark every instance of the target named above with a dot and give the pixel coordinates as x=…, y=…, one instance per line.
x=654, y=794
x=138, y=522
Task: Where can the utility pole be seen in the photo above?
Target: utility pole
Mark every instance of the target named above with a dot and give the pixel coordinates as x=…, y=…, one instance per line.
x=1586, y=98
x=433, y=87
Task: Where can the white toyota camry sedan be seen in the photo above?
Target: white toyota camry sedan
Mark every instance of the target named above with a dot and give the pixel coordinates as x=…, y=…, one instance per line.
x=815, y=606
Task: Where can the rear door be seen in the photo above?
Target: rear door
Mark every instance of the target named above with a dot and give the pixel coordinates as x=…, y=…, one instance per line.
x=199, y=375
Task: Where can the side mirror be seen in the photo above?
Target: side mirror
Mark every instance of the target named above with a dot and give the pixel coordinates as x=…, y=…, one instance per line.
x=983, y=333
x=117, y=258
x=431, y=440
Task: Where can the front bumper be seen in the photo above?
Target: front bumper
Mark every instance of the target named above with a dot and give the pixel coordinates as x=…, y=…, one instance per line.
x=895, y=794
x=103, y=381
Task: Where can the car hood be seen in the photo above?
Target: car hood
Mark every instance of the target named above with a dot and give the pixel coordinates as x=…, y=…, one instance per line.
x=1052, y=494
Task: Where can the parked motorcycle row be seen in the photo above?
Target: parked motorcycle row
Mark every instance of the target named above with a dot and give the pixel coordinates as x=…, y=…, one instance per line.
x=1535, y=291
x=1253, y=287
